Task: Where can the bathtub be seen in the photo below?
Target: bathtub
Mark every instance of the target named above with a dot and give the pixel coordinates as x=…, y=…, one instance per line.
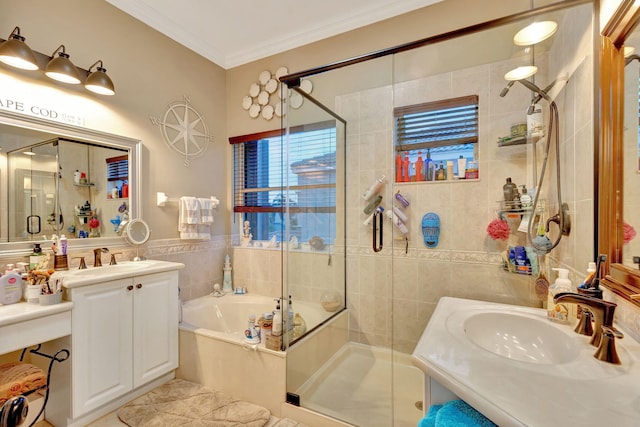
x=213, y=351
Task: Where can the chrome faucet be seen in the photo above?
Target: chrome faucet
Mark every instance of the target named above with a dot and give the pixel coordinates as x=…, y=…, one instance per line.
x=604, y=333
x=97, y=256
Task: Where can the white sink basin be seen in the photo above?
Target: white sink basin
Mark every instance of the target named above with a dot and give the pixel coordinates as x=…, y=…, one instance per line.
x=519, y=337
x=91, y=275
x=107, y=270
x=508, y=362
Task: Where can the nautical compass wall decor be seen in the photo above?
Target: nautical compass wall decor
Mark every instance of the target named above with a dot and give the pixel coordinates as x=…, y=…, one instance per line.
x=183, y=129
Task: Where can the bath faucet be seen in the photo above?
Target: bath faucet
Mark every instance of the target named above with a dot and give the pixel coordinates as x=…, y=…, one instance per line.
x=604, y=333
x=97, y=256
x=113, y=260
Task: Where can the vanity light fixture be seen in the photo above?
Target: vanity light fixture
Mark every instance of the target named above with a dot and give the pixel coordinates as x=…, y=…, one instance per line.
x=535, y=33
x=61, y=68
x=98, y=81
x=15, y=52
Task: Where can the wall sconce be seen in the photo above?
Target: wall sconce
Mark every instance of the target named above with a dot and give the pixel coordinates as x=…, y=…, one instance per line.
x=58, y=66
x=15, y=52
x=61, y=68
x=98, y=81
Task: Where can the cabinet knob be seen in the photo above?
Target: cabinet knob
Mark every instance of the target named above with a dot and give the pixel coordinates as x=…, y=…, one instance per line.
x=139, y=285
x=130, y=287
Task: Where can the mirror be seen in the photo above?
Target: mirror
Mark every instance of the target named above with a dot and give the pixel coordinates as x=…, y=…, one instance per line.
x=62, y=179
x=618, y=179
x=136, y=232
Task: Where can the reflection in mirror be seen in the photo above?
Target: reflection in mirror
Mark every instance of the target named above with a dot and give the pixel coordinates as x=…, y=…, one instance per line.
x=66, y=187
x=631, y=150
x=62, y=179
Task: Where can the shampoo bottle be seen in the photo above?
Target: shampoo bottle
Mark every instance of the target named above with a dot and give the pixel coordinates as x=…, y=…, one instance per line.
x=290, y=316
x=34, y=258
x=276, y=328
x=559, y=312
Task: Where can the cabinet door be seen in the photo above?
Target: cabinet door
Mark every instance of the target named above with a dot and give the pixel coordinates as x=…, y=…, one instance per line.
x=155, y=319
x=101, y=343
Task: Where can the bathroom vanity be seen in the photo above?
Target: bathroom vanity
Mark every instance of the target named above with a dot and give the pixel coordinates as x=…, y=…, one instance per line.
x=124, y=338
x=520, y=369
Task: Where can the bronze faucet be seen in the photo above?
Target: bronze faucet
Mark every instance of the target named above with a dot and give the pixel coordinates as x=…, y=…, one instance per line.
x=97, y=256
x=604, y=333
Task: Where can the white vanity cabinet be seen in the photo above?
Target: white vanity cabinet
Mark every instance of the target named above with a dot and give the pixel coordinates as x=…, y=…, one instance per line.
x=124, y=335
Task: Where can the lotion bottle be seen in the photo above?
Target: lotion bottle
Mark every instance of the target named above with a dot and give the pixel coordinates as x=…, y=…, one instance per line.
x=559, y=312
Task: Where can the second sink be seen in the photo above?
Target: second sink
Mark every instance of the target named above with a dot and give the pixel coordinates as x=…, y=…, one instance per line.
x=519, y=337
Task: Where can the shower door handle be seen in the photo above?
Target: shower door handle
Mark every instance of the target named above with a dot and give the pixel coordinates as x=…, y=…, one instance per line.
x=377, y=232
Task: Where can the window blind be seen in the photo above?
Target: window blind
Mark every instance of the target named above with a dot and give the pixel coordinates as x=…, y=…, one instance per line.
x=271, y=175
x=437, y=124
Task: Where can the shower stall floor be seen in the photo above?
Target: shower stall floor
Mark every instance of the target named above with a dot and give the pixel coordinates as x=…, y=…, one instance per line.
x=355, y=386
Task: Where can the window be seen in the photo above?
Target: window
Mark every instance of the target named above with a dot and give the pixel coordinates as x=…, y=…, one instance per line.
x=433, y=134
x=270, y=178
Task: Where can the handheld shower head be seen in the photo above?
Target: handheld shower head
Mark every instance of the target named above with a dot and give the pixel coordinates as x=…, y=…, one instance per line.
x=504, y=91
x=630, y=59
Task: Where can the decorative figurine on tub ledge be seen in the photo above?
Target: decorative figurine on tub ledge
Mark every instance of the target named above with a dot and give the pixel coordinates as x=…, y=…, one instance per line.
x=246, y=237
x=227, y=285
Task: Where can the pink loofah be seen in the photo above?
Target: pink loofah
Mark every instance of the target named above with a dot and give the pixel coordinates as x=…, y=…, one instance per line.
x=629, y=233
x=498, y=229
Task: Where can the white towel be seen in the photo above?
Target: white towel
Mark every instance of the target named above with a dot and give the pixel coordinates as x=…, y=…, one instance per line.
x=206, y=211
x=188, y=217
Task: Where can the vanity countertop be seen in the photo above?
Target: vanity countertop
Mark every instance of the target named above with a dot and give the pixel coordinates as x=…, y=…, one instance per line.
x=25, y=324
x=77, y=278
x=579, y=390
x=22, y=311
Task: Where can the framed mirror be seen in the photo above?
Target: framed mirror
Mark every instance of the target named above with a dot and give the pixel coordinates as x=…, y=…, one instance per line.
x=63, y=179
x=618, y=180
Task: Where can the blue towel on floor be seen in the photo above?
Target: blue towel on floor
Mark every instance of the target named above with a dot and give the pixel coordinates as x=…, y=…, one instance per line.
x=455, y=413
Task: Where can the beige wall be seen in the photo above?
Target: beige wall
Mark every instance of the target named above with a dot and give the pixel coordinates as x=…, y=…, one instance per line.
x=149, y=71
x=429, y=21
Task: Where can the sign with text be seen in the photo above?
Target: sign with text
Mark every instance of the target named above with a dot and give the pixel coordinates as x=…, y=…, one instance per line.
x=41, y=111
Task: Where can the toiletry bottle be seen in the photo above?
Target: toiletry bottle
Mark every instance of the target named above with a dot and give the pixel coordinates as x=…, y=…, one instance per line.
x=398, y=168
x=290, y=316
x=462, y=166
x=428, y=167
x=405, y=168
x=419, y=167
x=400, y=214
x=440, y=173
x=398, y=222
x=34, y=258
x=402, y=200
x=374, y=189
x=63, y=244
x=76, y=177
x=10, y=288
x=276, y=328
x=251, y=333
x=509, y=190
x=525, y=198
x=450, y=170
x=372, y=205
x=559, y=312
x=591, y=274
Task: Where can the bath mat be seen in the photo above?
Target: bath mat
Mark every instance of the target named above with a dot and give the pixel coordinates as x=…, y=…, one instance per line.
x=431, y=229
x=186, y=404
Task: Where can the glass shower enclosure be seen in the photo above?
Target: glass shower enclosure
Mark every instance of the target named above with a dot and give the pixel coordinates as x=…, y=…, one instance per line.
x=430, y=239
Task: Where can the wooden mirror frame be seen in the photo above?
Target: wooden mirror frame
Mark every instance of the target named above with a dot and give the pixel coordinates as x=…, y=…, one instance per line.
x=622, y=280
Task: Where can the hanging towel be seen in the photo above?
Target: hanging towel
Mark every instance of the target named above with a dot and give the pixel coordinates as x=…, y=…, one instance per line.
x=455, y=413
x=188, y=217
x=206, y=211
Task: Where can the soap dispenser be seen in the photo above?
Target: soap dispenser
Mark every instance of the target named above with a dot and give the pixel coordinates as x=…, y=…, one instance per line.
x=559, y=312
